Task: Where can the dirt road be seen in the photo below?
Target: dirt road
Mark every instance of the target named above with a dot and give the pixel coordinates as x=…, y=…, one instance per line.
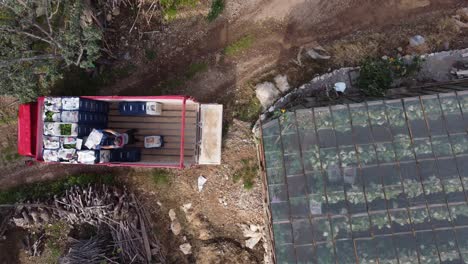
x=279, y=28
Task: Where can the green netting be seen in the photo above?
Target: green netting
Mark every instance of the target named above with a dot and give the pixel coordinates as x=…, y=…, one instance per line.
x=407, y=248
x=386, y=250
x=280, y=211
x=305, y=254
x=282, y=233
x=378, y=118
x=366, y=251
x=447, y=245
x=345, y=251
x=342, y=123
x=302, y=230
x=325, y=253
x=433, y=114
x=452, y=113
x=379, y=182
x=427, y=247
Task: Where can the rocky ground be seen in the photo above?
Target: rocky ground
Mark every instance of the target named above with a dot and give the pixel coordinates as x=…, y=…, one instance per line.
x=159, y=59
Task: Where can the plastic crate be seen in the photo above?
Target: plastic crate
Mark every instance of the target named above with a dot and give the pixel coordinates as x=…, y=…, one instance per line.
x=125, y=155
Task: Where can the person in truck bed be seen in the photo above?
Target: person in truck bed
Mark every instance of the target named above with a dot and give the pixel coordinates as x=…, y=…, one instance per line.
x=113, y=139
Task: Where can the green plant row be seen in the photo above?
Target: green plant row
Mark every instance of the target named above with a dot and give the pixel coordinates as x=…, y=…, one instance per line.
x=368, y=154
x=44, y=190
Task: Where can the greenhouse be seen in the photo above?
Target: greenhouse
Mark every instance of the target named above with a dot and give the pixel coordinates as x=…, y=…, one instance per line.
x=376, y=182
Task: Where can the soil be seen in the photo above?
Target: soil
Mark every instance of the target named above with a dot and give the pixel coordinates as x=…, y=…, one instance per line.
x=160, y=55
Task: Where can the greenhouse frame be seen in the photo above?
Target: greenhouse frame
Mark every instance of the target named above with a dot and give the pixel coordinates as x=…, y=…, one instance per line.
x=375, y=182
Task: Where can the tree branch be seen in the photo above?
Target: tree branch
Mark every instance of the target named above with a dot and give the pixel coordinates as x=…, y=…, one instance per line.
x=58, y=45
x=77, y=63
x=26, y=34
x=56, y=10
x=6, y=63
x=47, y=2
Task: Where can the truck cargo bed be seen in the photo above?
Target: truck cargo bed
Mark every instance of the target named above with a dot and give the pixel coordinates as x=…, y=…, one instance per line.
x=168, y=125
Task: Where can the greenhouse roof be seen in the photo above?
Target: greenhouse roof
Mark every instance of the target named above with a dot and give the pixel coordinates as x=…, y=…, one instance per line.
x=379, y=182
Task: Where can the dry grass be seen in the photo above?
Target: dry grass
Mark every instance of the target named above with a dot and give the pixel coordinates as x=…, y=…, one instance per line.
x=350, y=53
x=446, y=31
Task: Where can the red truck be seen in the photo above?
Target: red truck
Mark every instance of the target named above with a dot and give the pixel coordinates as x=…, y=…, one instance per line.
x=57, y=129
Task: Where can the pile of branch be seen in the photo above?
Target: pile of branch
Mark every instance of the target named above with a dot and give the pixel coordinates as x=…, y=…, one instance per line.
x=34, y=243
x=117, y=210
x=95, y=250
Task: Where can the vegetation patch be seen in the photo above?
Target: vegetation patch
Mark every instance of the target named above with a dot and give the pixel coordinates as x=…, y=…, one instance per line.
x=47, y=189
x=195, y=68
x=9, y=154
x=39, y=41
x=247, y=173
x=377, y=75
x=150, y=55
x=239, y=46
x=171, y=7
x=249, y=110
x=161, y=177
x=217, y=7
x=56, y=242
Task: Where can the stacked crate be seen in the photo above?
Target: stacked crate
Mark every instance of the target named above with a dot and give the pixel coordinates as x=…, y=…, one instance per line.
x=87, y=113
x=66, y=121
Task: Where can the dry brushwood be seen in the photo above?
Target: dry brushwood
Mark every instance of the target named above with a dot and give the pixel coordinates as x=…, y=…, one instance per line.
x=100, y=205
x=95, y=250
x=34, y=243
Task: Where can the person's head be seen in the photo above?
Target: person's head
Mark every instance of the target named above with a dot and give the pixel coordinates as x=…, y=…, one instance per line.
x=118, y=141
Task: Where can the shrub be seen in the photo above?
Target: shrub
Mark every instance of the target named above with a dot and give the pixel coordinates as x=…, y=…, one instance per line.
x=247, y=173
x=217, y=7
x=377, y=75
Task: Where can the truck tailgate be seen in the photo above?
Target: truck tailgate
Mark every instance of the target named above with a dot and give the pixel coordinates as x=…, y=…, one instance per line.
x=211, y=118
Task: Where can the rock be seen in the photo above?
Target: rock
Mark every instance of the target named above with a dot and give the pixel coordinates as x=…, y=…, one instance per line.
x=417, y=40
x=127, y=56
x=186, y=207
x=186, y=248
x=176, y=228
x=266, y=93
x=463, y=14
x=116, y=11
x=172, y=215
x=282, y=84
x=446, y=45
x=251, y=242
x=318, y=53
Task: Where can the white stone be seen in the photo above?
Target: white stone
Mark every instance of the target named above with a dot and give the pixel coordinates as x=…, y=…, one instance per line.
x=281, y=82
x=266, y=93
x=176, y=228
x=251, y=242
x=417, y=40
x=172, y=215
x=186, y=248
